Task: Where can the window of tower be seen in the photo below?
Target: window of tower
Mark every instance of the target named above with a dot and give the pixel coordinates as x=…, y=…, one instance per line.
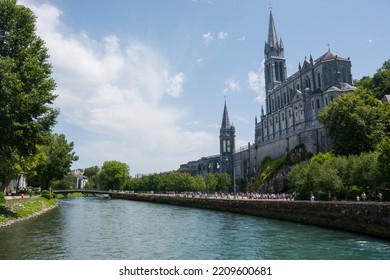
x=228, y=146
x=277, y=71
x=281, y=71
x=319, y=79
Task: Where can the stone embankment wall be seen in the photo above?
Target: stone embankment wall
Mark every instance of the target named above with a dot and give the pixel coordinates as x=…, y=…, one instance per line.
x=362, y=217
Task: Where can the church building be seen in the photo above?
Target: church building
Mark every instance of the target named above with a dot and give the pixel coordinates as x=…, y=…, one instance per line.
x=291, y=114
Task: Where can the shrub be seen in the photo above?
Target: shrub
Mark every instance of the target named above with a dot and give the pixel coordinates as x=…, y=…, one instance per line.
x=46, y=194
x=2, y=198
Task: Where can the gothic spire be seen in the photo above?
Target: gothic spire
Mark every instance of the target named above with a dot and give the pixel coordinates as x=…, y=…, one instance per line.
x=225, y=118
x=272, y=36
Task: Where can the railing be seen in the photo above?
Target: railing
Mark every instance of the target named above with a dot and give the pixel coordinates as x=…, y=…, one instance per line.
x=93, y=191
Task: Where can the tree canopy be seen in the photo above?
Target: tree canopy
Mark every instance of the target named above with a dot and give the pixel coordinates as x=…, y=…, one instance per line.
x=26, y=85
x=59, y=156
x=113, y=175
x=26, y=91
x=356, y=122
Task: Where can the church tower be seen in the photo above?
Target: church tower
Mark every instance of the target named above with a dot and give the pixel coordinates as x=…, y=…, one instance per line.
x=227, y=143
x=275, y=63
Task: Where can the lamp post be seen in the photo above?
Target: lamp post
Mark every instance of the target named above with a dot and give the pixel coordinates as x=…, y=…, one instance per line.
x=233, y=176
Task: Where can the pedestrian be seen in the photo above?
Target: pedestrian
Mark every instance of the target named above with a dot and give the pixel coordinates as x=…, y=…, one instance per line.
x=357, y=198
x=380, y=197
x=364, y=196
x=312, y=197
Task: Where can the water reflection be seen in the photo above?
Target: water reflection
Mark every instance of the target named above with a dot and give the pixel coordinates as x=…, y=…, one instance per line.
x=92, y=228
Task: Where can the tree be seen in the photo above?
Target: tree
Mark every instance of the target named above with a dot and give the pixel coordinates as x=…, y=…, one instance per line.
x=384, y=161
x=211, y=182
x=92, y=175
x=113, y=175
x=14, y=166
x=26, y=86
x=223, y=182
x=379, y=84
x=59, y=158
x=200, y=184
x=355, y=121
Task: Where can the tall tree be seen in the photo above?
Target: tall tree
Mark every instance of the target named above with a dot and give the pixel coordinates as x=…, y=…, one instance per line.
x=59, y=158
x=26, y=86
x=92, y=175
x=113, y=175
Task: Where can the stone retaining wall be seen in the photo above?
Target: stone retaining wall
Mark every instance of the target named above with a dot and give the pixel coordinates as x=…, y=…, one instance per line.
x=362, y=217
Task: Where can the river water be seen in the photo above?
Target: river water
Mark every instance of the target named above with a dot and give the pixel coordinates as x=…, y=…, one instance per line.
x=102, y=229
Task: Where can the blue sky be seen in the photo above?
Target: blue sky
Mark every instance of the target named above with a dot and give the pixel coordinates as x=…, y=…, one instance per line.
x=144, y=81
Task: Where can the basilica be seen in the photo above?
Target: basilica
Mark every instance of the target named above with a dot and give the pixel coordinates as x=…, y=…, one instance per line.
x=291, y=114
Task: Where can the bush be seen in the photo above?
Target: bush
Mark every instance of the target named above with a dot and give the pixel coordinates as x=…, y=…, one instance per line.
x=46, y=194
x=2, y=198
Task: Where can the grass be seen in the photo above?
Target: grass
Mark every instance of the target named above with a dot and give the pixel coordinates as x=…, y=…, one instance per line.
x=12, y=210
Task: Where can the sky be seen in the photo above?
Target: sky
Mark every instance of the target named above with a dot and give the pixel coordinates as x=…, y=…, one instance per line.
x=144, y=81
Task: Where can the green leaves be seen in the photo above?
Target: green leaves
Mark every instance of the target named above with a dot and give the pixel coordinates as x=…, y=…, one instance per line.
x=355, y=121
x=26, y=86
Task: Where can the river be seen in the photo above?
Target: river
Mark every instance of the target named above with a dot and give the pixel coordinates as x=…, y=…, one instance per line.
x=104, y=229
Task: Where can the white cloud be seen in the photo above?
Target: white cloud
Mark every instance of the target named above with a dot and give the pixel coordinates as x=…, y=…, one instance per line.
x=231, y=86
x=175, y=86
x=370, y=41
x=112, y=97
x=256, y=83
x=199, y=60
x=222, y=35
x=207, y=38
x=242, y=38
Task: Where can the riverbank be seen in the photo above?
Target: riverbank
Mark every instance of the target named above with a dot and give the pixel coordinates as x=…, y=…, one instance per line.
x=372, y=218
x=16, y=210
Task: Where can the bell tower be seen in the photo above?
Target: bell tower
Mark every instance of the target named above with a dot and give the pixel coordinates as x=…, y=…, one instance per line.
x=275, y=63
x=227, y=143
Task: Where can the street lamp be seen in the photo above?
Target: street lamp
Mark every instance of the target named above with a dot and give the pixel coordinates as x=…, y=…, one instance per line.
x=233, y=176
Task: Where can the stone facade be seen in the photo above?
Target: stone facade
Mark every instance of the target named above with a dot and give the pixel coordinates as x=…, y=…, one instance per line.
x=291, y=115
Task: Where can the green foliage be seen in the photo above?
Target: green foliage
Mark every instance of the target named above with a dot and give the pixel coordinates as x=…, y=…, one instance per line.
x=66, y=183
x=46, y=194
x=223, y=182
x=342, y=177
x=2, y=198
x=26, y=86
x=15, y=209
x=269, y=167
x=211, y=182
x=379, y=84
x=59, y=157
x=113, y=175
x=93, y=177
x=384, y=161
x=355, y=121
